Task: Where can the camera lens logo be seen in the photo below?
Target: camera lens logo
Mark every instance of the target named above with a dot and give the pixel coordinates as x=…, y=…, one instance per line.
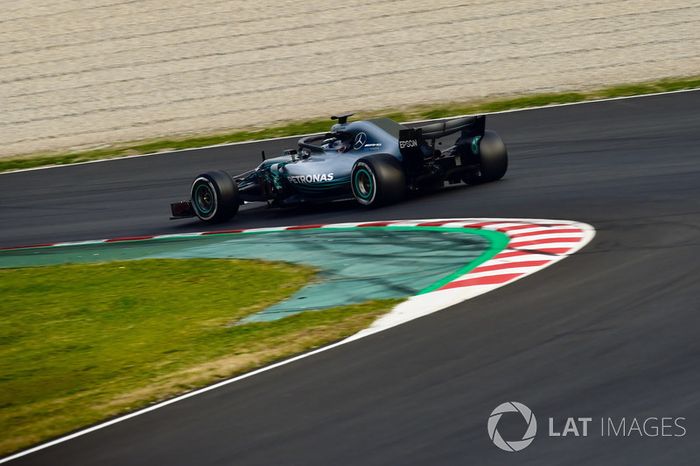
x=513, y=445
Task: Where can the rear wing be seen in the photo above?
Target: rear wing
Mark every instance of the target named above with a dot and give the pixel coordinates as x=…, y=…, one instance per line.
x=412, y=140
x=469, y=126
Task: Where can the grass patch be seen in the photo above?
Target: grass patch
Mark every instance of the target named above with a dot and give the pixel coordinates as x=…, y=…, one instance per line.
x=80, y=343
x=322, y=124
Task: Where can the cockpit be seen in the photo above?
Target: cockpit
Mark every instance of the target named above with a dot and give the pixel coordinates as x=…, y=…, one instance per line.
x=339, y=141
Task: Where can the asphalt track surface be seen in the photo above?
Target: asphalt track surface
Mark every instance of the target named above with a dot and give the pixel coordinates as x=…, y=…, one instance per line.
x=609, y=332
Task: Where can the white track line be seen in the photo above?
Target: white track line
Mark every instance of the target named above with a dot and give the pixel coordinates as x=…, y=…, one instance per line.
x=230, y=144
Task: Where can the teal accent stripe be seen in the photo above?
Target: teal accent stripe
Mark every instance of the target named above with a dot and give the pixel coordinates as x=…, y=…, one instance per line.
x=498, y=241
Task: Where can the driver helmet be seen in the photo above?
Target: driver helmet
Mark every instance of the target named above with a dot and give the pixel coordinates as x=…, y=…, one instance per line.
x=341, y=146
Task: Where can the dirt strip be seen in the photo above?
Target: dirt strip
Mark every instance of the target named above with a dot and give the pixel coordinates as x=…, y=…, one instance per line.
x=74, y=76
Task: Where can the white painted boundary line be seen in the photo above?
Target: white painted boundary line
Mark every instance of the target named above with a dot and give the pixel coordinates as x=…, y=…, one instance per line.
x=506, y=267
x=255, y=141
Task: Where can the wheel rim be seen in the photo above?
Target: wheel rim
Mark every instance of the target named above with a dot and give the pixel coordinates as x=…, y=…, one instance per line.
x=364, y=185
x=204, y=199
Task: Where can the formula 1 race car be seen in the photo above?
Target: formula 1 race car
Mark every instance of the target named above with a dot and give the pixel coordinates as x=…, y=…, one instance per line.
x=375, y=162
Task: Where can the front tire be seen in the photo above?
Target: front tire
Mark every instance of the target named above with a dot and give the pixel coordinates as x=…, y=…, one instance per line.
x=214, y=197
x=378, y=180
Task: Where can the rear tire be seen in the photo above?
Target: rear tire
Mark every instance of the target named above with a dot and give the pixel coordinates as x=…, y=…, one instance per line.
x=378, y=180
x=493, y=157
x=214, y=197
